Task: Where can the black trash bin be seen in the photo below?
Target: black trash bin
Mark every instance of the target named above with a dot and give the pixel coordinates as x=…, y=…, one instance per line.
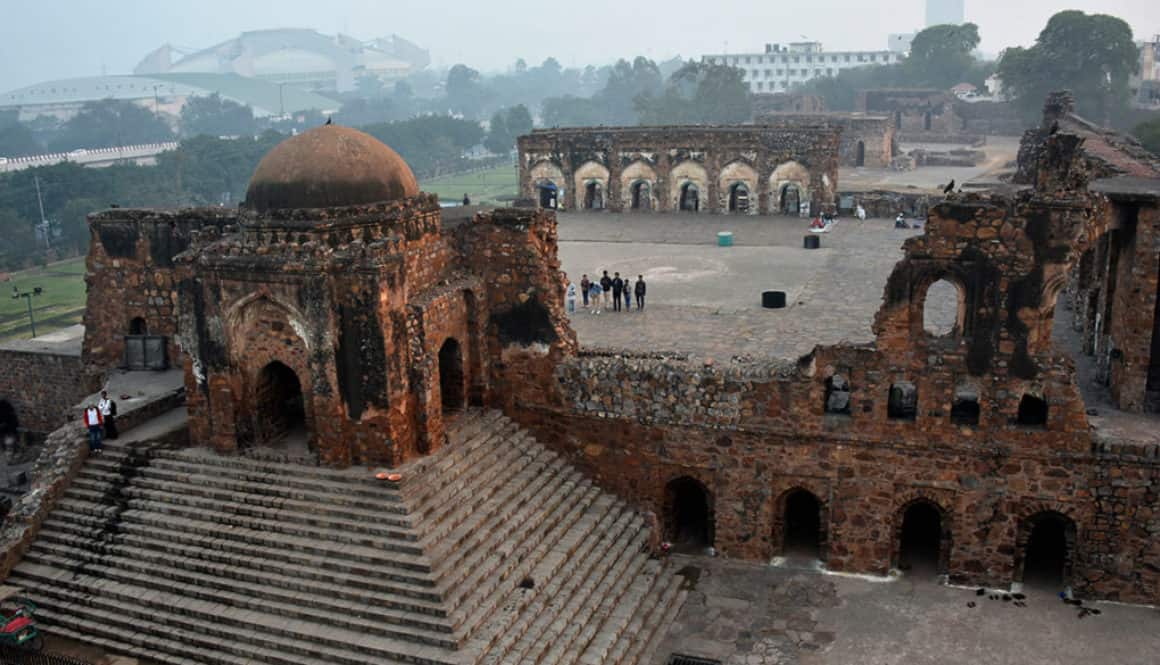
x=773, y=299
x=812, y=241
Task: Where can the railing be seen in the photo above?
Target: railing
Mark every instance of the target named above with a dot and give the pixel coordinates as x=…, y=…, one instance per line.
x=13, y=656
x=86, y=155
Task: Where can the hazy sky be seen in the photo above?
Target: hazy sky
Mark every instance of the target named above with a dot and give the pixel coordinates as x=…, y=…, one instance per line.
x=43, y=39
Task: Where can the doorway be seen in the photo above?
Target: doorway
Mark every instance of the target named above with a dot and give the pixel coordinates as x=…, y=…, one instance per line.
x=690, y=198
x=548, y=194
x=1047, y=552
x=641, y=196
x=860, y=154
x=689, y=519
x=593, y=196
x=280, y=405
x=790, y=200
x=739, y=198
x=451, y=385
x=802, y=525
x=920, y=539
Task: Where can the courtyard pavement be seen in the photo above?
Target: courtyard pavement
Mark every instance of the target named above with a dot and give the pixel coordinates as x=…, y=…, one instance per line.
x=751, y=614
x=1000, y=150
x=705, y=300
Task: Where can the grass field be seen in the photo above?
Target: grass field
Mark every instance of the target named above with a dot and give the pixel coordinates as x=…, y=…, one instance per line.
x=62, y=300
x=496, y=186
x=60, y=304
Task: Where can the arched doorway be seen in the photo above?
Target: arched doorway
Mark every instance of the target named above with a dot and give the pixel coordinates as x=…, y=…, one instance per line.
x=790, y=200
x=1048, y=544
x=641, y=195
x=689, y=516
x=593, y=196
x=860, y=154
x=926, y=121
x=451, y=386
x=921, y=539
x=738, y=198
x=548, y=194
x=898, y=119
x=9, y=423
x=280, y=408
x=138, y=326
x=690, y=197
x=802, y=525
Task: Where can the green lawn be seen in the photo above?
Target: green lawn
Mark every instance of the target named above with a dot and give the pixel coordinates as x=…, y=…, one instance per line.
x=60, y=304
x=497, y=186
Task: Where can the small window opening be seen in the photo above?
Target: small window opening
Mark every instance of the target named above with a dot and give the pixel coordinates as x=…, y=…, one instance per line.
x=837, y=395
x=903, y=402
x=941, y=309
x=1032, y=411
x=965, y=407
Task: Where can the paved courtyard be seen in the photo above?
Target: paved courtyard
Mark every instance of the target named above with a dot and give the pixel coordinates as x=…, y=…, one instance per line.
x=706, y=300
x=749, y=614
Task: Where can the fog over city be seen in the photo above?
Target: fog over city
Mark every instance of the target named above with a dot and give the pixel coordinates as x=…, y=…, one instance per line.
x=67, y=38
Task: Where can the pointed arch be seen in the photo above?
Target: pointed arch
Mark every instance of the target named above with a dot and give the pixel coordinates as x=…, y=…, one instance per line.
x=591, y=185
x=789, y=179
x=737, y=187
x=638, y=186
x=688, y=174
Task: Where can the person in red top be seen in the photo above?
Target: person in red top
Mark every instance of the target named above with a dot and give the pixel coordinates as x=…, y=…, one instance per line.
x=94, y=421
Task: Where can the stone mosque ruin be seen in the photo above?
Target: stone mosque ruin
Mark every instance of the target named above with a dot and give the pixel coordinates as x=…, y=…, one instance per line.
x=340, y=323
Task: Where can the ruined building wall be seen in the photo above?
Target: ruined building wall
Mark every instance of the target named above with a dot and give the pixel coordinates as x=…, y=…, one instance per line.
x=989, y=118
x=41, y=386
x=130, y=274
x=866, y=140
x=917, y=111
x=648, y=168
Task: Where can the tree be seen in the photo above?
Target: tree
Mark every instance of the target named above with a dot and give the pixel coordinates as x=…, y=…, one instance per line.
x=111, y=123
x=940, y=56
x=464, y=93
x=505, y=126
x=368, y=86
x=699, y=93
x=214, y=116
x=1148, y=134
x=1091, y=55
x=625, y=83
x=17, y=140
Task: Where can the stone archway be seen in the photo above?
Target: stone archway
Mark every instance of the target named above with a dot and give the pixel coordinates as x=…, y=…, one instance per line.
x=1045, y=550
x=736, y=186
x=138, y=326
x=789, y=188
x=638, y=187
x=593, y=195
x=923, y=538
x=801, y=524
x=790, y=198
x=689, y=514
x=591, y=186
x=280, y=406
x=739, y=198
x=688, y=177
x=452, y=388
x=9, y=423
x=545, y=179
x=641, y=192
x=860, y=154
x=690, y=200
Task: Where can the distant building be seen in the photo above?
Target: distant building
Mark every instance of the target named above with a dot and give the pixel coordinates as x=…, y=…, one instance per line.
x=303, y=58
x=944, y=12
x=164, y=94
x=779, y=68
x=1145, y=84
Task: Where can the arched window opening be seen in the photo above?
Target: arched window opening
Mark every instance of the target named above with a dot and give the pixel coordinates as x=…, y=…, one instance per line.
x=593, y=196
x=690, y=198
x=803, y=525
x=280, y=408
x=548, y=194
x=860, y=154
x=739, y=198
x=903, y=401
x=451, y=385
x=921, y=539
x=641, y=196
x=690, y=524
x=9, y=424
x=1032, y=412
x=965, y=406
x=837, y=395
x=926, y=121
x=790, y=200
x=942, y=309
x=898, y=119
x=138, y=326
x=1048, y=550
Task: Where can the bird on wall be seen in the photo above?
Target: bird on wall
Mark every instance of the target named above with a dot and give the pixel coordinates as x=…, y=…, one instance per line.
x=1054, y=128
x=329, y=121
x=950, y=187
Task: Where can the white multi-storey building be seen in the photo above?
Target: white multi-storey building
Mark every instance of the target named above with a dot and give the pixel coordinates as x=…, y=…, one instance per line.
x=779, y=68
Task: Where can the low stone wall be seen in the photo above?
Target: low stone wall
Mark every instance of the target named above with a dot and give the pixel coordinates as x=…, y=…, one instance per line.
x=937, y=137
x=41, y=387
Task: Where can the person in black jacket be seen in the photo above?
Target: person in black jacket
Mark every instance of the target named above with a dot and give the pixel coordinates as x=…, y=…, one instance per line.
x=606, y=284
x=617, y=290
x=640, y=289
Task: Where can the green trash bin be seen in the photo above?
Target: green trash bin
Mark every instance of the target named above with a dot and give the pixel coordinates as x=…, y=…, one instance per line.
x=724, y=238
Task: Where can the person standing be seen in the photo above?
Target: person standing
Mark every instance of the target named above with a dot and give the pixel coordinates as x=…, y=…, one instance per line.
x=108, y=409
x=639, y=289
x=93, y=422
x=605, y=288
x=617, y=291
x=570, y=297
x=627, y=294
x=584, y=286
x=466, y=200
x=595, y=294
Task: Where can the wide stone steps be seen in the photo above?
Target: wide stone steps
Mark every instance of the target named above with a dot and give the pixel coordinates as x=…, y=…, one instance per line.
x=492, y=550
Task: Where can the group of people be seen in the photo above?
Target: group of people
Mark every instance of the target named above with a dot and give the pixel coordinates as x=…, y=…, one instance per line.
x=101, y=421
x=597, y=295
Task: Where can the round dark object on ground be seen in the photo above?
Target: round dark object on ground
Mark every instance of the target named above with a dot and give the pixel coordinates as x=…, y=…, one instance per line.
x=812, y=241
x=773, y=299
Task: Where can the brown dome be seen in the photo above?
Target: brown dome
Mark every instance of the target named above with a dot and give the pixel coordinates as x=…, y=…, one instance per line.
x=326, y=167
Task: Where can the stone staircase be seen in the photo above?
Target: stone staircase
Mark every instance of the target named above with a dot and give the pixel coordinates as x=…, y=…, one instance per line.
x=493, y=550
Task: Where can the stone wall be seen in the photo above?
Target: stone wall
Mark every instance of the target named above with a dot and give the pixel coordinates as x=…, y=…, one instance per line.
x=913, y=110
x=866, y=140
x=130, y=274
x=786, y=102
x=990, y=118
x=42, y=386
x=753, y=169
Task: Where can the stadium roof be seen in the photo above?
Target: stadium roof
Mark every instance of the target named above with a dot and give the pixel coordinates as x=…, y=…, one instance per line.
x=265, y=97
